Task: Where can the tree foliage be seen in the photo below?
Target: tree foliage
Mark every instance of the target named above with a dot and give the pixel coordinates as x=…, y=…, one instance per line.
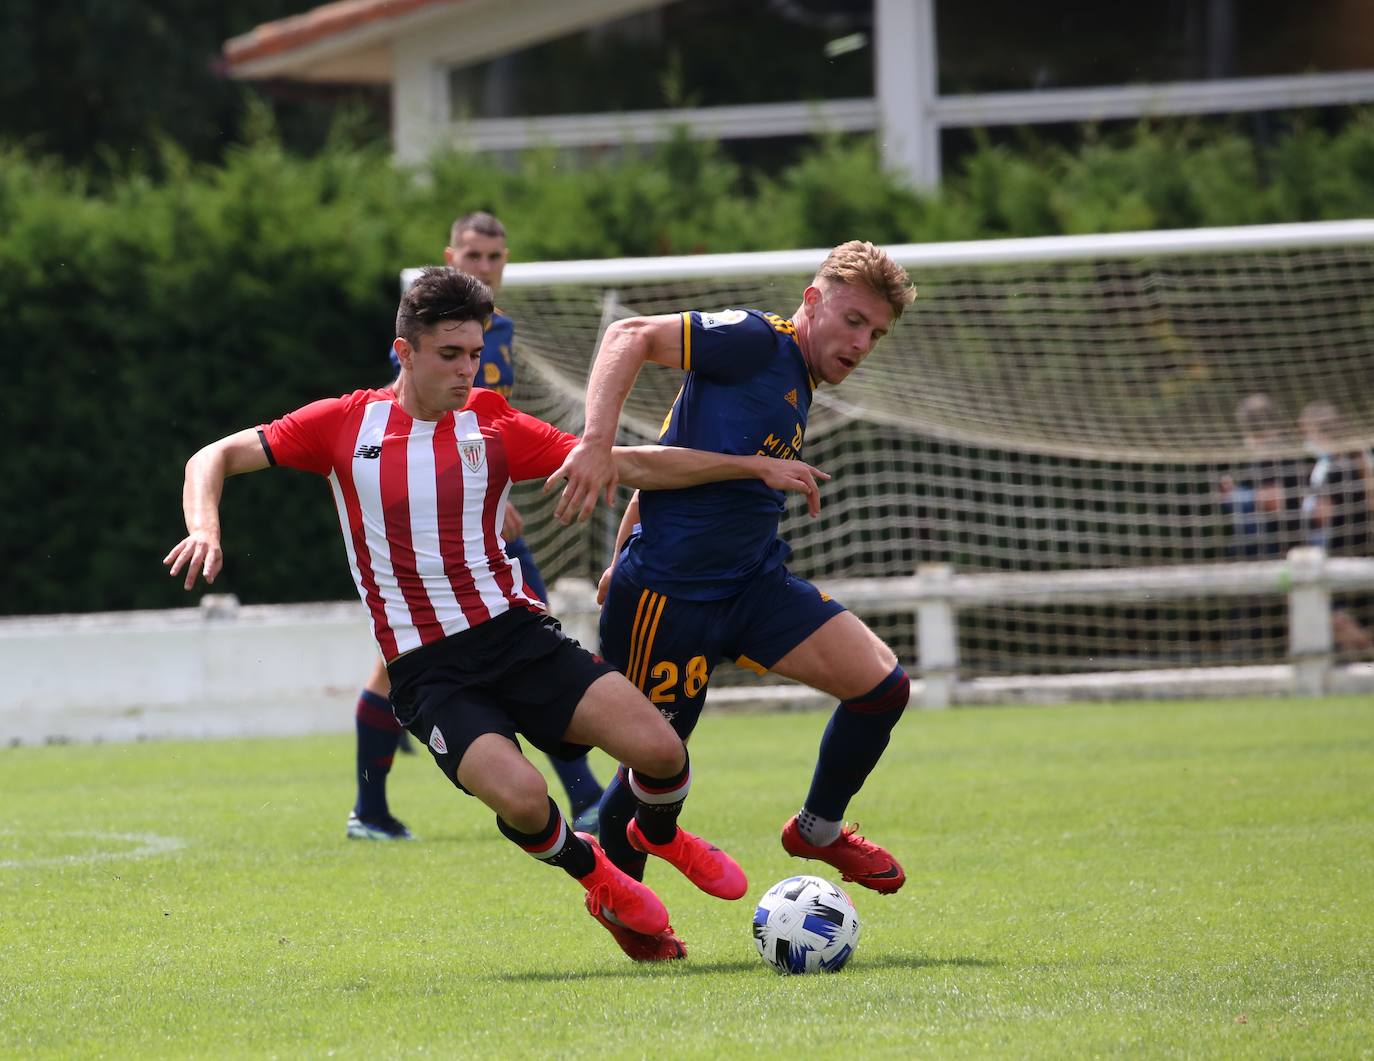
x=178, y=300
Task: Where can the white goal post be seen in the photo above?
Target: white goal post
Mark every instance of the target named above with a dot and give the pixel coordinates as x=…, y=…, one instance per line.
x=1065, y=413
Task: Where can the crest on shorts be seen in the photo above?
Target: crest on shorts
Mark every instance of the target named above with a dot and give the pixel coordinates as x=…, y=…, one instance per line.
x=436, y=741
x=474, y=454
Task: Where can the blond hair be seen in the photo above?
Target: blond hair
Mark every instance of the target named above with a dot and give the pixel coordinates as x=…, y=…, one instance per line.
x=860, y=262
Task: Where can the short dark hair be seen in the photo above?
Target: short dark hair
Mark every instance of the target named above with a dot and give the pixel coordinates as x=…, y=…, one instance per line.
x=479, y=221
x=440, y=293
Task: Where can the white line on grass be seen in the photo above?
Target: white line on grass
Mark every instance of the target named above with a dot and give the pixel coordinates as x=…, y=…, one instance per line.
x=147, y=845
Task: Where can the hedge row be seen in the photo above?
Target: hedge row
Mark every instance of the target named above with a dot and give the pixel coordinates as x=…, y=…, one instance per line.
x=159, y=311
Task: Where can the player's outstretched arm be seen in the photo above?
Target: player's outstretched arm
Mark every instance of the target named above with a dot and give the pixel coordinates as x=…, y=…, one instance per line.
x=199, y=552
x=626, y=346
x=672, y=468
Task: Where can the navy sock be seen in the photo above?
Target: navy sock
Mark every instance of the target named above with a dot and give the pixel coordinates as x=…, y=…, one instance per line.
x=582, y=786
x=617, y=808
x=555, y=844
x=378, y=735
x=660, y=801
x=854, y=741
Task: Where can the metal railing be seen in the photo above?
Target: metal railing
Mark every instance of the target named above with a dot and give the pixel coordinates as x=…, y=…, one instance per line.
x=936, y=594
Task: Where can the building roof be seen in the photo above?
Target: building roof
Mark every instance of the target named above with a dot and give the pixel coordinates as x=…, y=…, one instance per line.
x=320, y=29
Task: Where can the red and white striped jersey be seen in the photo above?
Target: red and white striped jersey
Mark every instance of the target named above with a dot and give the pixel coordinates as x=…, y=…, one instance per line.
x=421, y=504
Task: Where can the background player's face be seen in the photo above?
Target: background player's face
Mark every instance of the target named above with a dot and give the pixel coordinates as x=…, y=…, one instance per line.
x=443, y=364
x=481, y=256
x=845, y=323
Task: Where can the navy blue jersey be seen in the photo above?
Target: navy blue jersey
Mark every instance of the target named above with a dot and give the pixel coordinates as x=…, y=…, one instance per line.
x=496, y=371
x=747, y=391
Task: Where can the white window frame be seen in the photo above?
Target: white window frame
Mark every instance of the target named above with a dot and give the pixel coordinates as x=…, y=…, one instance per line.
x=906, y=108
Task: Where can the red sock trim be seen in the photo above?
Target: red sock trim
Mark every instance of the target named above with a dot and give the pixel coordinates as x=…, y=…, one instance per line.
x=376, y=717
x=891, y=694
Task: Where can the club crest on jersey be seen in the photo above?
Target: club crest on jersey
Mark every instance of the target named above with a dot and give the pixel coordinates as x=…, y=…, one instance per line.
x=474, y=454
x=721, y=319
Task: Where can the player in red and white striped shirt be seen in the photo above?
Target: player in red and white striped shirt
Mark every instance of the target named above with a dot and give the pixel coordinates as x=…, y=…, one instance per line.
x=420, y=475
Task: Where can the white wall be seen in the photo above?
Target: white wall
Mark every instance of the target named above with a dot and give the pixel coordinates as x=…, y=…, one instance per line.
x=222, y=670
x=216, y=670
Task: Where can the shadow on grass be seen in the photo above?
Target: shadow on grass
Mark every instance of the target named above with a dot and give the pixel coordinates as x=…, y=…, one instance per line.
x=691, y=968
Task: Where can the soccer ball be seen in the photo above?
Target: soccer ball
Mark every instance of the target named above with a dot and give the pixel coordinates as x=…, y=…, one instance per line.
x=806, y=925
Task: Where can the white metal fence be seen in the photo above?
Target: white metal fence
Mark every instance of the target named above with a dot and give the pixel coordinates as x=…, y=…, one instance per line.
x=936, y=594
x=226, y=670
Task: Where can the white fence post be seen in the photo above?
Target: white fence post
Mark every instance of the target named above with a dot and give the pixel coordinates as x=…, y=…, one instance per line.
x=572, y=601
x=937, y=638
x=1309, y=621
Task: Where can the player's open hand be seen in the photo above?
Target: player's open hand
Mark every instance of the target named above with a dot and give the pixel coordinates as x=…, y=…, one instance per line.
x=199, y=553
x=590, y=473
x=796, y=477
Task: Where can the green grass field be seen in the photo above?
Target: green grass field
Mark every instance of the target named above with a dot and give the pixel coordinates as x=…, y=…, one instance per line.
x=1147, y=880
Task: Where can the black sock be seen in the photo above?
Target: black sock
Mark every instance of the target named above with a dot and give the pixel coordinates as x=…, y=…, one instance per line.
x=660, y=801
x=617, y=808
x=555, y=844
x=854, y=741
x=378, y=733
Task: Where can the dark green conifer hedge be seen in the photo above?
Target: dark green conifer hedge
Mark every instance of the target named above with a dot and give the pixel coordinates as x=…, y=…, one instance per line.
x=152, y=314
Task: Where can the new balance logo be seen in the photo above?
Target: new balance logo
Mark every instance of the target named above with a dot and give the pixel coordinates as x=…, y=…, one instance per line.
x=370, y=453
x=791, y=397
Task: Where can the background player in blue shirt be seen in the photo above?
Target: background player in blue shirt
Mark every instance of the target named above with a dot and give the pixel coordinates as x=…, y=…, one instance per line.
x=477, y=245
x=702, y=573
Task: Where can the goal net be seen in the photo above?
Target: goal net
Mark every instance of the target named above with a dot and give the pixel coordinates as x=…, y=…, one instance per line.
x=1047, y=404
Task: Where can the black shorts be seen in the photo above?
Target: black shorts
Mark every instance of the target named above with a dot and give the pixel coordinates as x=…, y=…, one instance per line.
x=516, y=673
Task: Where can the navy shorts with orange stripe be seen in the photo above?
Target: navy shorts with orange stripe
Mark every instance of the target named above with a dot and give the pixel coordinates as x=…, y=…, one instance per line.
x=668, y=647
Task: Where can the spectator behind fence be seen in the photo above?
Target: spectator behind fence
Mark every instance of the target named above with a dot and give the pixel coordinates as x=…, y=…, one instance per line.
x=1264, y=496
x=1336, y=504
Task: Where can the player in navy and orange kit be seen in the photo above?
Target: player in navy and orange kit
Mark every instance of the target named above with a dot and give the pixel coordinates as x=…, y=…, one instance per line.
x=477, y=245
x=420, y=473
x=700, y=573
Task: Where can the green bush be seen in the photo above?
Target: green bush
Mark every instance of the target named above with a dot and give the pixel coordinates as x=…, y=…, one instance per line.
x=179, y=302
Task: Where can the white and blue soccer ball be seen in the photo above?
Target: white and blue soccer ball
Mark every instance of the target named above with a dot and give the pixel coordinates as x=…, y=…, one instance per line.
x=806, y=925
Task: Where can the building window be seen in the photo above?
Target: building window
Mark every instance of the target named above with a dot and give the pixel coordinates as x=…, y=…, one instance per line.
x=692, y=53
x=1078, y=43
